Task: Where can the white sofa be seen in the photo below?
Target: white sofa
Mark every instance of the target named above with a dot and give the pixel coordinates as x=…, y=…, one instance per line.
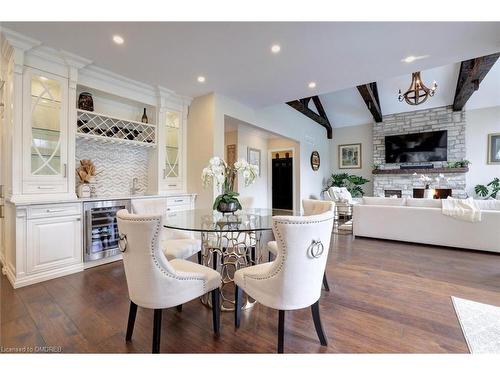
x=421, y=221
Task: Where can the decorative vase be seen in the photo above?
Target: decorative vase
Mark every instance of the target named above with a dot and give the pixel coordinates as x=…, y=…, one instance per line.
x=86, y=102
x=227, y=207
x=83, y=191
x=428, y=192
x=144, y=118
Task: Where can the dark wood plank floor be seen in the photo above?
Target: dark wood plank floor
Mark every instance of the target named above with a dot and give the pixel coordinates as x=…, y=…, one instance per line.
x=386, y=297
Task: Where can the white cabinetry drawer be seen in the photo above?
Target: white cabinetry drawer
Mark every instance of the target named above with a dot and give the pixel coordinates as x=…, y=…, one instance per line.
x=172, y=185
x=178, y=201
x=53, y=210
x=44, y=188
x=180, y=207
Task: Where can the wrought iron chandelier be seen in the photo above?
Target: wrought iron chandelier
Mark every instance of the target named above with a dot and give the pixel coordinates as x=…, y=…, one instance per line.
x=417, y=93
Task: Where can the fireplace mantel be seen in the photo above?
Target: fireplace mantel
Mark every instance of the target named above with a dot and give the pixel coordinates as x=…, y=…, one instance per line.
x=421, y=171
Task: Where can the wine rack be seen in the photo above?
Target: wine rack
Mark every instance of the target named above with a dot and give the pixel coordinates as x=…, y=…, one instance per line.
x=100, y=127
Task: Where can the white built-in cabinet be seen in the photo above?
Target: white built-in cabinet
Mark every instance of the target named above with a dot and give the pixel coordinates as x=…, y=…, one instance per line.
x=53, y=241
x=172, y=143
x=48, y=243
x=45, y=132
x=41, y=123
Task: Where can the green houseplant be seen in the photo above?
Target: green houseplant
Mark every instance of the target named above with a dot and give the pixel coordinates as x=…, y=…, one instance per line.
x=351, y=182
x=490, y=190
x=222, y=176
x=459, y=164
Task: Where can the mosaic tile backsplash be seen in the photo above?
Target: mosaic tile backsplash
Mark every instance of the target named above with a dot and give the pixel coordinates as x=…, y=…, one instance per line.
x=116, y=165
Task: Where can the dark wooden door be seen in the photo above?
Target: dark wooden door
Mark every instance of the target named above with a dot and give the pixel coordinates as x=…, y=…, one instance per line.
x=282, y=183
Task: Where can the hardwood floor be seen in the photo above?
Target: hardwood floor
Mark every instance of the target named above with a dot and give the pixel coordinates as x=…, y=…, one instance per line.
x=385, y=297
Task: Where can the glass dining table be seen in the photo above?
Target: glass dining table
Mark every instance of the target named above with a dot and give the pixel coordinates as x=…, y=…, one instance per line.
x=229, y=242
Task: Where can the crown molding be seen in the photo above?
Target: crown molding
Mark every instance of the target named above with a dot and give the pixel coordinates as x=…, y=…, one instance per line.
x=19, y=41
x=73, y=60
x=105, y=80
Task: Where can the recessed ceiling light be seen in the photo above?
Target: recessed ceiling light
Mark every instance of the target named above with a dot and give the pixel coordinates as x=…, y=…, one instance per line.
x=312, y=85
x=118, y=39
x=275, y=48
x=411, y=58
x=201, y=79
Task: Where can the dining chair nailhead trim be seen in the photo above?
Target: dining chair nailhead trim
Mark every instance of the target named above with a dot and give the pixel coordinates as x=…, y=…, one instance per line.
x=162, y=270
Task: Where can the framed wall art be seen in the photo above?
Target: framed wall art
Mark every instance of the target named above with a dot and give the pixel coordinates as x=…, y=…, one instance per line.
x=350, y=156
x=494, y=148
x=253, y=157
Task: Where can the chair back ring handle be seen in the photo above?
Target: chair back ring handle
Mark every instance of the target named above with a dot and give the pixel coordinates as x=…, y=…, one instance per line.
x=122, y=242
x=316, y=249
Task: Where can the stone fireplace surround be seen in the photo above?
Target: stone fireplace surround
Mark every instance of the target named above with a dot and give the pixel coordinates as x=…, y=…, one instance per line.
x=441, y=118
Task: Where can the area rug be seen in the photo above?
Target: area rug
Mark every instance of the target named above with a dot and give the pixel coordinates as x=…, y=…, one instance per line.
x=480, y=324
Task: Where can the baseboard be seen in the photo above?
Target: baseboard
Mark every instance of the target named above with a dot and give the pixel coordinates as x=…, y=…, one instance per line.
x=42, y=276
x=99, y=262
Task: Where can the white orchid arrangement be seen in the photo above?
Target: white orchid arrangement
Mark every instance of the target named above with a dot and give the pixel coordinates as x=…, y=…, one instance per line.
x=426, y=180
x=222, y=176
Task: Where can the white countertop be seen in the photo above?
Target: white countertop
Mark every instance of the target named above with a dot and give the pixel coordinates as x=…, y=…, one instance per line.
x=95, y=199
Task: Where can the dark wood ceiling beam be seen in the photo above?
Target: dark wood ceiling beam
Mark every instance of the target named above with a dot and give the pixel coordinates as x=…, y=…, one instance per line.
x=369, y=93
x=321, y=118
x=472, y=72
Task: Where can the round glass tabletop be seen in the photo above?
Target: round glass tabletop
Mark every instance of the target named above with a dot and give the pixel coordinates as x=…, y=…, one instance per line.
x=205, y=220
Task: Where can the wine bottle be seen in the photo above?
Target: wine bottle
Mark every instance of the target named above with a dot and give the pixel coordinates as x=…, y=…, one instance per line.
x=144, y=118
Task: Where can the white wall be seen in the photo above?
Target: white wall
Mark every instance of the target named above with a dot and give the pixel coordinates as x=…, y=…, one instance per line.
x=284, y=120
x=258, y=190
x=206, y=139
x=355, y=134
x=200, y=147
x=480, y=123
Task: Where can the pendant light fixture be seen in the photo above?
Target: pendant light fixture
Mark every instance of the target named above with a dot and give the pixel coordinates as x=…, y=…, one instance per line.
x=417, y=93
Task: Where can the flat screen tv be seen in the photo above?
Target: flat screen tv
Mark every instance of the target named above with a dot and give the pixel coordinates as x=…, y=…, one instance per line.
x=417, y=147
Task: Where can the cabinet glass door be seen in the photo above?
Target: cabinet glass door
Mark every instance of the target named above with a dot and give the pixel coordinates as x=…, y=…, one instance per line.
x=172, y=144
x=46, y=97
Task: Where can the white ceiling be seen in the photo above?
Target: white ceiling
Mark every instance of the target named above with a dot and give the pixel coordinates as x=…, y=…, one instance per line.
x=345, y=108
x=236, y=60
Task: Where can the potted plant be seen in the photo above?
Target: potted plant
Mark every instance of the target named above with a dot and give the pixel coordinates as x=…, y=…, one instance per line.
x=222, y=176
x=485, y=192
x=459, y=164
x=351, y=182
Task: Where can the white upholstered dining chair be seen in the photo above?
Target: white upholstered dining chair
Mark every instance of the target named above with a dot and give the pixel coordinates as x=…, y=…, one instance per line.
x=310, y=207
x=176, y=244
x=153, y=281
x=293, y=280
